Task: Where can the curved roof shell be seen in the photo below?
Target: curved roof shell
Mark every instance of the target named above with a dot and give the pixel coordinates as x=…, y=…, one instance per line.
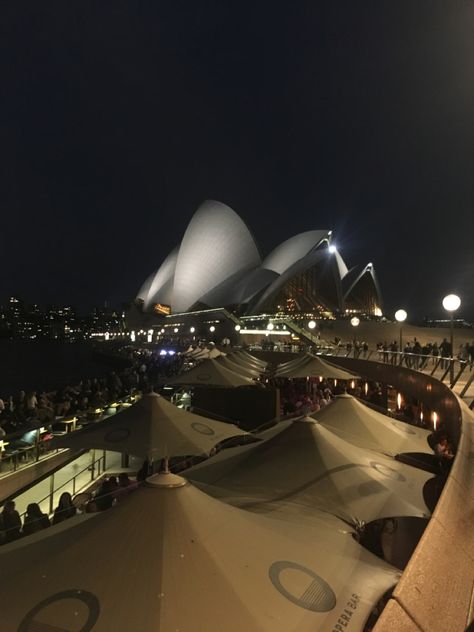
x=359, y=282
x=328, y=273
x=158, y=288
x=216, y=245
x=218, y=264
x=290, y=251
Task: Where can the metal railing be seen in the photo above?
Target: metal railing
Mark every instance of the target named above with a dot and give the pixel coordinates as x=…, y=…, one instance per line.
x=96, y=468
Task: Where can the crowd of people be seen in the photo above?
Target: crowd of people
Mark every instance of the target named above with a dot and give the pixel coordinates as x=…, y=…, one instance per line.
x=418, y=356
x=298, y=397
x=30, y=409
x=110, y=491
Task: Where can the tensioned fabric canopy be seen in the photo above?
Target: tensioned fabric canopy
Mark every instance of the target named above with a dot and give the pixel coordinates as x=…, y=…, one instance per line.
x=215, y=353
x=357, y=423
x=244, y=369
x=172, y=558
x=211, y=373
x=314, y=367
x=307, y=467
x=152, y=428
x=250, y=359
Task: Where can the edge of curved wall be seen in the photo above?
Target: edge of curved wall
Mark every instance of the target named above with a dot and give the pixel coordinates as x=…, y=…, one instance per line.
x=436, y=590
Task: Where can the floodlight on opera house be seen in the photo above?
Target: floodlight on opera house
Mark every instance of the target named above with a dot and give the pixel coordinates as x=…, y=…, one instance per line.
x=311, y=324
x=355, y=321
x=270, y=326
x=218, y=265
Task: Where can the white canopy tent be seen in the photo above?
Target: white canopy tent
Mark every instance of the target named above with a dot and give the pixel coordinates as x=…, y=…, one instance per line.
x=249, y=358
x=211, y=373
x=313, y=366
x=352, y=420
x=216, y=353
x=153, y=428
x=247, y=370
x=307, y=467
x=169, y=557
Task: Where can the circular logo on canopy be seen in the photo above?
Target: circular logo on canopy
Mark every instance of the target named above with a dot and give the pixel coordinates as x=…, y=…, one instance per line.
x=202, y=428
x=80, y=607
x=302, y=586
x=116, y=435
x=387, y=471
x=403, y=427
x=203, y=377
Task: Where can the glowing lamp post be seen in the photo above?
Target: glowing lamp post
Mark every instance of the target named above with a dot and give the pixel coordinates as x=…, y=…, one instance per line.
x=311, y=327
x=400, y=317
x=451, y=303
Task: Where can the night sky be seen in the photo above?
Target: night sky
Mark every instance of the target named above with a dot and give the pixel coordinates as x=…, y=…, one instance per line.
x=117, y=119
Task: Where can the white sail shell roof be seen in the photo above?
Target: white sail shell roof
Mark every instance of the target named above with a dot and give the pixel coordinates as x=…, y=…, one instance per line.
x=159, y=286
x=216, y=245
x=293, y=249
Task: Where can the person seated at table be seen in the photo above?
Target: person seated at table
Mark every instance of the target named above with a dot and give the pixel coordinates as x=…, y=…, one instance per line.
x=11, y=521
x=65, y=508
x=35, y=520
x=443, y=448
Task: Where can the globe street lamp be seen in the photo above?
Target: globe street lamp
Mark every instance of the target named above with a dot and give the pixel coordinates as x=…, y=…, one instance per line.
x=400, y=317
x=311, y=327
x=451, y=303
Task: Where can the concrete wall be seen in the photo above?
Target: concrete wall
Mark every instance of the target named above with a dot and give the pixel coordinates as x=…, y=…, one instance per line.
x=436, y=591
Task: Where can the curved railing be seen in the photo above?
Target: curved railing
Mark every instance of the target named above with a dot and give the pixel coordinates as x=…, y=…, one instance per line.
x=436, y=591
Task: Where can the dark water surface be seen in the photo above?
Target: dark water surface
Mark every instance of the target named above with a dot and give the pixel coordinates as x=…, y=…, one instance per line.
x=46, y=365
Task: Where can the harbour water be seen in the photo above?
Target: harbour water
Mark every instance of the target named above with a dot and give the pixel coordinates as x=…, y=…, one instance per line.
x=46, y=365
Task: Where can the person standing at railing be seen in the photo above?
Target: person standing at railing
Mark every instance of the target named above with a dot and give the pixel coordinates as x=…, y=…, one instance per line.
x=407, y=351
x=471, y=355
x=435, y=352
x=445, y=352
x=393, y=352
x=417, y=352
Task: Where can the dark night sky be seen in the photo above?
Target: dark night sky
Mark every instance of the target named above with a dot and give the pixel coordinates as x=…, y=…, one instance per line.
x=118, y=118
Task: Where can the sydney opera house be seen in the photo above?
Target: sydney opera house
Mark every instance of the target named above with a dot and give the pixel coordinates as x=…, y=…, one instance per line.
x=218, y=265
